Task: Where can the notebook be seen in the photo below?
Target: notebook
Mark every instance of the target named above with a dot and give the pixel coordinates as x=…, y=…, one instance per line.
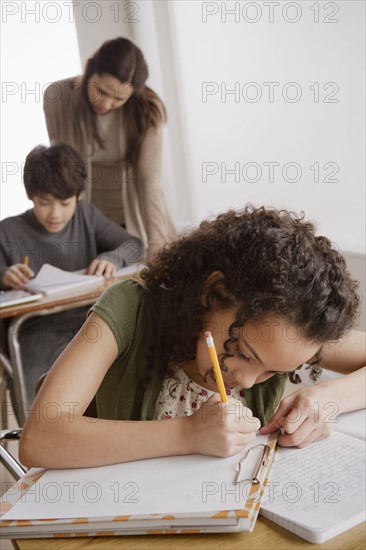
x=53, y=281
x=319, y=492
x=179, y=494
x=15, y=297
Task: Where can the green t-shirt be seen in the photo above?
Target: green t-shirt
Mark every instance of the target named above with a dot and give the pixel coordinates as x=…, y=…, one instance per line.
x=137, y=318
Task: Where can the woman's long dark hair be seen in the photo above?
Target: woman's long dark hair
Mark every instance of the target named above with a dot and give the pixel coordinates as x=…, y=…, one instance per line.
x=272, y=263
x=144, y=109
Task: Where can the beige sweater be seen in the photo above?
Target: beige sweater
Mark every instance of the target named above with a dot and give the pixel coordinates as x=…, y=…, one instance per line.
x=145, y=213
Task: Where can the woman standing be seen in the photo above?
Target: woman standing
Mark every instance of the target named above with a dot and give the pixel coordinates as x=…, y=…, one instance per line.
x=115, y=121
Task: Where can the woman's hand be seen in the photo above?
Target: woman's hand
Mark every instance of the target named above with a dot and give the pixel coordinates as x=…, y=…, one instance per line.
x=222, y=429
x=16, y=276
x=101, y=267
x=306, y=415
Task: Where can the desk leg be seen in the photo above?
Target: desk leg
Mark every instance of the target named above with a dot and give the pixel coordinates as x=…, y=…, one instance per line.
x=7, y=372
x=20, y=390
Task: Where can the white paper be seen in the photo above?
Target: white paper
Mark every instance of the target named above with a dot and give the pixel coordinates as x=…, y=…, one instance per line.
x=323, y=485
x=319, y=485
x=52, y=280
x=14, y=297
x=169, y=485
x=128, y=270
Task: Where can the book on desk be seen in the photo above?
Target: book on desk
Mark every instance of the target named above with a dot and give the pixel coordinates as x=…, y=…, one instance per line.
x=317, y=492
x=179, y=494
x=54, y=282
x=14, y=297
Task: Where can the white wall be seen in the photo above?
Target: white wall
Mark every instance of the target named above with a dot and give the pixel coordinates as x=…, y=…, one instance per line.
x=297, y=100
x=231, y=131
x=153, y=36
x=97, y=22
x=39, y=45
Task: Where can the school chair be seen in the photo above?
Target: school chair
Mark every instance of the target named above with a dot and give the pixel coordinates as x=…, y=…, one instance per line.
x=6, y=458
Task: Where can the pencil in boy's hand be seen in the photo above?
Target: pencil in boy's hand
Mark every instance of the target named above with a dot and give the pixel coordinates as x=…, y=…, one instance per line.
x=26, y=261
x=216, y=366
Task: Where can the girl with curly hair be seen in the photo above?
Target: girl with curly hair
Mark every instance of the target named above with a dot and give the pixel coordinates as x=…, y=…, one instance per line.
x=274, y=295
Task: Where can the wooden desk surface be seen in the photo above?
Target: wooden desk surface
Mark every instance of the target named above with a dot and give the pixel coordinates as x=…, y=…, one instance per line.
x=49, y=302
x=266, y=536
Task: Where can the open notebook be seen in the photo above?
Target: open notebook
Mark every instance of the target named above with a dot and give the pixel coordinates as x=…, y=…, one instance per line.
x=319, y=492
x=180, y=494
x=53, y=281
x=15, y=297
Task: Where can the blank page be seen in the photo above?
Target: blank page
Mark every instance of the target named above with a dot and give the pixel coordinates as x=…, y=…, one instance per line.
x=169, y=485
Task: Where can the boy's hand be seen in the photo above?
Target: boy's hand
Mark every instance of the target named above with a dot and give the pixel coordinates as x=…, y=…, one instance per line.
x=101, y=267
x=306, y=415
x=222, y=429
x=16, y=276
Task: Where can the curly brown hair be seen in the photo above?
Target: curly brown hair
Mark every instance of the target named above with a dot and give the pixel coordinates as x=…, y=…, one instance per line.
x=272, y=262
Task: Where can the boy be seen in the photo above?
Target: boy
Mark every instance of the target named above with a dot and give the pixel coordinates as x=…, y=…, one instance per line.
x=65, y=232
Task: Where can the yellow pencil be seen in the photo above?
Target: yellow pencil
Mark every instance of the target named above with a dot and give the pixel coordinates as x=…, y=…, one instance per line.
x=216, y=366
x=26, y=261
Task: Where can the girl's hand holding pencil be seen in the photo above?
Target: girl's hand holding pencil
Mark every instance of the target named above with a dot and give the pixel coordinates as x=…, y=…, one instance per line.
x=222, y=427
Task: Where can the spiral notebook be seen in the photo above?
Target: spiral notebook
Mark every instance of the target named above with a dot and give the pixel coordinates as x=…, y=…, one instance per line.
x=319, y=492
x=180, y=494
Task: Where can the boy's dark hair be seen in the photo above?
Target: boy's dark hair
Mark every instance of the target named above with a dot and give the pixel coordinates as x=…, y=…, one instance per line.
x=272, y=264
x=57, y=170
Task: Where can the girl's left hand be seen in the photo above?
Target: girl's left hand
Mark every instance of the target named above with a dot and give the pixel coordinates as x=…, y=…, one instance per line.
x=101, y=267
x=307, y=415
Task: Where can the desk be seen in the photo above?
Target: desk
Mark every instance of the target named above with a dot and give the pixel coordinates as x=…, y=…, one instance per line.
x=266, y=536
x=20, y=313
